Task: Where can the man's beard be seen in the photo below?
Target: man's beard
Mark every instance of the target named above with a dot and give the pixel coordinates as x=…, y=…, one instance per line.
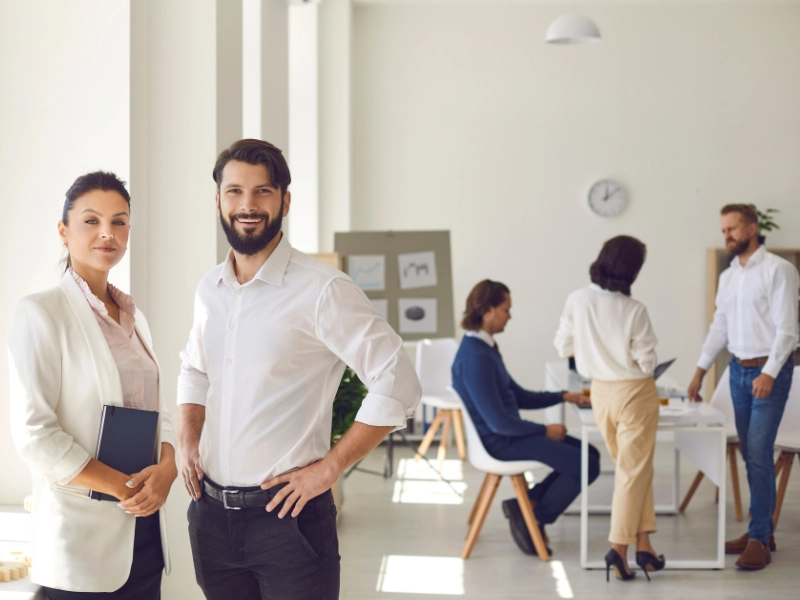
x=739, y=247
x=252, y=243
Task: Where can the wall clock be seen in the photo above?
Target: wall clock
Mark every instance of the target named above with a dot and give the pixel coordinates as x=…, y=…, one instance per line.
x=607, y=198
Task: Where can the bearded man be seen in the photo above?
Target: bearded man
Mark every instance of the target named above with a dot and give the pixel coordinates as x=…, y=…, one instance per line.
x=273, y=330
x=756, y=317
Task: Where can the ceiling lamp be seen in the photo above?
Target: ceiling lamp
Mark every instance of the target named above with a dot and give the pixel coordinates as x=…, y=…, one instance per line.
x=572, y=29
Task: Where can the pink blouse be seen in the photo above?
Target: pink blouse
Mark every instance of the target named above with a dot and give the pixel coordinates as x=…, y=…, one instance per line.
x=138, y=373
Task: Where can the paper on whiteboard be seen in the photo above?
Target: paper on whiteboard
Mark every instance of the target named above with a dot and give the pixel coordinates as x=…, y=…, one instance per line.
x=417, y=270
x=417, y=315
x=382, y=306
x=368, y=271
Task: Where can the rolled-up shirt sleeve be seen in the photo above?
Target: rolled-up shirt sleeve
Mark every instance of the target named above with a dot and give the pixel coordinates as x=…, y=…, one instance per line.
x=351, y=328
x=193, y=382
x=783, y=312
x=717, y=337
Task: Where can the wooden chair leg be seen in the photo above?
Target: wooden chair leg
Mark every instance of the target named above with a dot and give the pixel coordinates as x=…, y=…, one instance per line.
x=521, y=487
x=458, y=425
x=445, y=440
x=698, y=478
x=779, y=465
x=484, y=503
x=426, y=441
x=737, y=493
x=478, y=500
x=785, y=471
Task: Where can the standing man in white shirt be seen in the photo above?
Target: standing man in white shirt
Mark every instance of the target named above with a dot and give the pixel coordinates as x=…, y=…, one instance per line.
x=273, y=330
x=756, y=317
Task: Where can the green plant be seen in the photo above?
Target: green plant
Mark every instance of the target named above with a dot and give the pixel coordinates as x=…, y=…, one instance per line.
x=765, y=222
x=346, y=403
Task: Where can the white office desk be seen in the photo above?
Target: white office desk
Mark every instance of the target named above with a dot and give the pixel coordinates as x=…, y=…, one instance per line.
x=699, y=434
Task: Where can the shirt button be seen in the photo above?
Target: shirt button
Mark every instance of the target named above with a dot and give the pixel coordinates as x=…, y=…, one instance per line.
x=228, y=362
x=224, y=470
x=232, y=326
x=224, y=398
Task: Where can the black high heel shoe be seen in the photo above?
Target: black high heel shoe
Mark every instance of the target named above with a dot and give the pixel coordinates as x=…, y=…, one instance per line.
x=613, y=559
x=649, y=562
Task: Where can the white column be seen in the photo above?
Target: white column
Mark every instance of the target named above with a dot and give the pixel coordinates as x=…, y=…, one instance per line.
x=175, y=134
x=335, y=18
x=303, y=154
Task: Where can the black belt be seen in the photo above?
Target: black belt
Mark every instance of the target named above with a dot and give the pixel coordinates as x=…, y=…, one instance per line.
x=239, y=498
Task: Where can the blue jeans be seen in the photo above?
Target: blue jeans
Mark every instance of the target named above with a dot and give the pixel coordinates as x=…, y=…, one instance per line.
x=757, y=421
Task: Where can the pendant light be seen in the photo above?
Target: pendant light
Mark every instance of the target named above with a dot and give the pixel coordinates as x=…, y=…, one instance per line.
x=572, y=29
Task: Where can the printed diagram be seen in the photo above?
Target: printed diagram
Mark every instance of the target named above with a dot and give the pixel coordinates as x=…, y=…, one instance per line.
x=417, y=270
x=368, y=271
x=417, y=315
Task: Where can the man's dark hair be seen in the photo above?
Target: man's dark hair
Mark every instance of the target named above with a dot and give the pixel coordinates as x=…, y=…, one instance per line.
x=98, y=180
x=256, y=152
x=748, y=213
x=618, y=264
x=485, y=295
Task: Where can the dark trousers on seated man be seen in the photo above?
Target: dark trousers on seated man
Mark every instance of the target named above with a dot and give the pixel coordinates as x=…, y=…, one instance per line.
x=553, y=495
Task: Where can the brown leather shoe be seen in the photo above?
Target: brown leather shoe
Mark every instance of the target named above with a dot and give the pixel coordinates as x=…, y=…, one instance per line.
x=755, y=556
x=738, y=545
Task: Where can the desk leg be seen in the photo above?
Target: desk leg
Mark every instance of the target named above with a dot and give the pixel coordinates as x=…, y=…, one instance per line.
x=723, y=489
x=584, y=496
x=676, y=479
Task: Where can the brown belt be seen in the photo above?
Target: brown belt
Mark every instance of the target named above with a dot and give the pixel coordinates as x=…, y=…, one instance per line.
x=752, y=362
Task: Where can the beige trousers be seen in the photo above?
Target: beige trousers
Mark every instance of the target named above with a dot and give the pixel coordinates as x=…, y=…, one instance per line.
x=627, y=416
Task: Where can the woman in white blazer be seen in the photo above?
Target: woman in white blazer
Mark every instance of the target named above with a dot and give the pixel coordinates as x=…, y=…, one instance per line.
x=73, y=349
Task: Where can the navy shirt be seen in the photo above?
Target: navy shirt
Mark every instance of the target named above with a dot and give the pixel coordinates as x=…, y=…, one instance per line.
x=492, y=397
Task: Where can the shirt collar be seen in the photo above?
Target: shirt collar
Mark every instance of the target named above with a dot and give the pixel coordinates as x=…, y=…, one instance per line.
x=272, y=271
x=756, y=258
x=122, y=300
x=602, y=290
x=481, y=335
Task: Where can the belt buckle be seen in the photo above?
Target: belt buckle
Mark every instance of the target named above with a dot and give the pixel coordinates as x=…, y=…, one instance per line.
x=225, y=499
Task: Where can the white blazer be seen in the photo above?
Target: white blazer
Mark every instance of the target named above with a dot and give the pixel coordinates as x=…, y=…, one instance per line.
x=62, y=372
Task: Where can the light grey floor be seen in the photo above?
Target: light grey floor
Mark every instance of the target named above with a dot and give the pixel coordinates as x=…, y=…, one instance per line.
x=400, y=539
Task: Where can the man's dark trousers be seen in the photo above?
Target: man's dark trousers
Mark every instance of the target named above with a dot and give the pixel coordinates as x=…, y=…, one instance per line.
x=560, y=488
x=250, y=554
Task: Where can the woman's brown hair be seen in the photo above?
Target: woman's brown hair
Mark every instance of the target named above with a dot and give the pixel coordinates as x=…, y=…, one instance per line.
x=484, y=296
x=618, y=264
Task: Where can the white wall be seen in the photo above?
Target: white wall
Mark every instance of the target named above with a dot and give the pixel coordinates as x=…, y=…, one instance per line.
x=64, y=111
x=464, y=119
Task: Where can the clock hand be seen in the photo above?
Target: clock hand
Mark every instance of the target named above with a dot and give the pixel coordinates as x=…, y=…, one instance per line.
x=606, y=194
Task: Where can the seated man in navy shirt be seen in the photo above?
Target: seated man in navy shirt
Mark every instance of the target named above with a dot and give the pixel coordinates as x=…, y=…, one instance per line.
x=494, y=400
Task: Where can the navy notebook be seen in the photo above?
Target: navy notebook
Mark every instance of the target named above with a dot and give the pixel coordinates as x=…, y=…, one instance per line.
x=126, y=442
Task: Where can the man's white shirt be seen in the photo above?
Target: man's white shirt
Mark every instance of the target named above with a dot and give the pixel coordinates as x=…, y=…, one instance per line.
x=266, y=358
x=756, y=313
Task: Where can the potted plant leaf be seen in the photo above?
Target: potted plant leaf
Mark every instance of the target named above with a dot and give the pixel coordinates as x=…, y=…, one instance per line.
x=765, y=222
x=346, y=403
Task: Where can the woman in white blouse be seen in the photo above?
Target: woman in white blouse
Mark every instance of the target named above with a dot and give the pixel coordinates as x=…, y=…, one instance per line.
x=612, y=340
x=74, y=348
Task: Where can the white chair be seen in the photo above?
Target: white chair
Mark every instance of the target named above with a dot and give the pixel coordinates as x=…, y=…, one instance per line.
x=433, y=363
x=723, y=401
x=495, y=470
x=787, y=443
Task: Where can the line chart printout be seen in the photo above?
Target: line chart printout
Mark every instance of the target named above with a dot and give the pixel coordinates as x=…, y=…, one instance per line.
x=417, y=270
x=368, y=271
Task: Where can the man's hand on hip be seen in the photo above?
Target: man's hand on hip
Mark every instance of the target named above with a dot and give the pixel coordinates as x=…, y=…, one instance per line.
x=301, y=486
x=762, y=385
